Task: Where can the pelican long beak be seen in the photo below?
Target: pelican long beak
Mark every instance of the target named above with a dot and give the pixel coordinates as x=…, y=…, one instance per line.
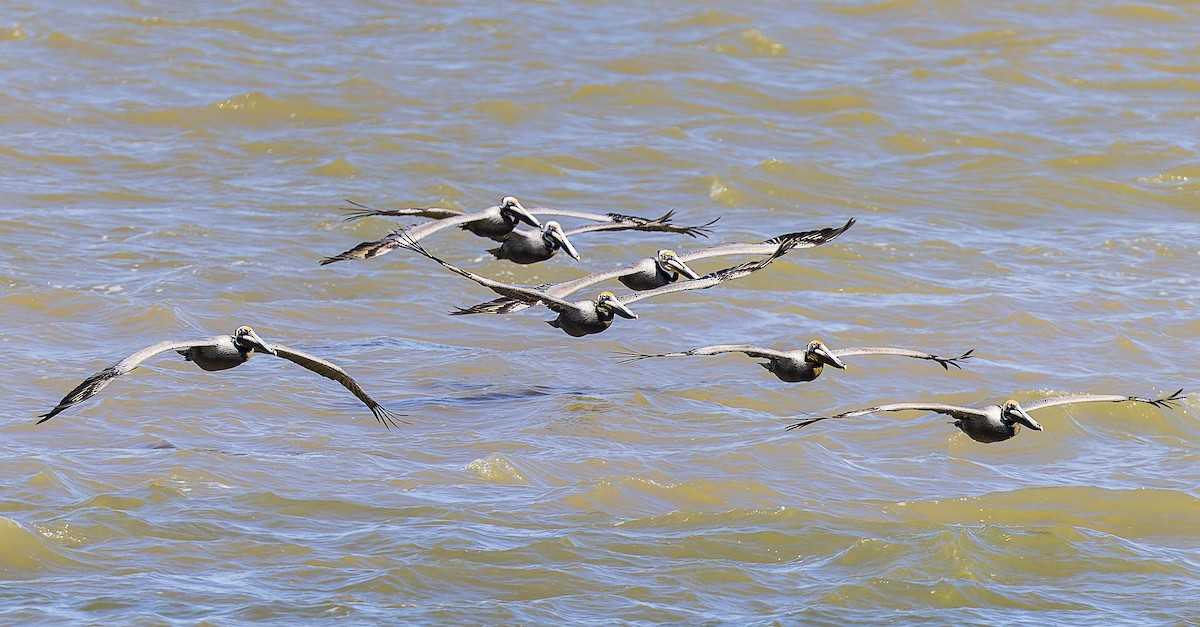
x=252, y=338
x=621, y=310
x=1020, y=415
x=524, y=216
x=682, y=268
x=828, y=357
x=555, y=232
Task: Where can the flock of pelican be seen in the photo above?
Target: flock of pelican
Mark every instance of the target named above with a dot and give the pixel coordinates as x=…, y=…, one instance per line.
x=665, y=273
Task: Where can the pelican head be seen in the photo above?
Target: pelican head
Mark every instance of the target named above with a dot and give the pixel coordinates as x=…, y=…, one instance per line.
x=511, y=206
x=1012, y=414
x=818, y=349
x=670, y=263
x=245, y=337
x=556, y=238
x=608, y=302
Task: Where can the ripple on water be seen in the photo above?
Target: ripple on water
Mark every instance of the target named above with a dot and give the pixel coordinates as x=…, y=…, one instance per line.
x=31, y=553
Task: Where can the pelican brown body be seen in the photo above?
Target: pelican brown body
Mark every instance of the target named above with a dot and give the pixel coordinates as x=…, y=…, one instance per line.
x=219, y=353
x=997, y=423
x=525, y=247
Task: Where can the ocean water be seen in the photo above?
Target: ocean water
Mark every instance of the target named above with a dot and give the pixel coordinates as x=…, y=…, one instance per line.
x=1024, y=179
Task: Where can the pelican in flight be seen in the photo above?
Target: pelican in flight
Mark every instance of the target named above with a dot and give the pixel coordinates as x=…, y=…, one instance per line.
x=802, y=365
x=526, y=247
x=495, y=222
x=664, y=268
x=498, y=223
x=593, y=316
x=997, y=423
x=219, y=353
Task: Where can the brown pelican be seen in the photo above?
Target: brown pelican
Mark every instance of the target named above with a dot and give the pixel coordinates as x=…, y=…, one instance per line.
x=497, y=223
x=664, y=268
x=593, y=316
x=996, y=423
x=525, y=247
x=803, y=365
x=219, y=353
x=494, y=222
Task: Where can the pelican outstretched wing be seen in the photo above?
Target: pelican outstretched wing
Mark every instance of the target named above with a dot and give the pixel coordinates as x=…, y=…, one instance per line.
x=946, y=362
x=717, y=349
x=515, y=292
x=333, y=371
x=397, y=237
x=618, y=222
x=949, y=410
x=711, y=279
x=361, y=211
x=98, y=381
x=1170, y=400
x=557, y=290
x=801, y=239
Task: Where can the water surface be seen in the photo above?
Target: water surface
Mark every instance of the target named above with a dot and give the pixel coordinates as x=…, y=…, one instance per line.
x=1024, y=179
